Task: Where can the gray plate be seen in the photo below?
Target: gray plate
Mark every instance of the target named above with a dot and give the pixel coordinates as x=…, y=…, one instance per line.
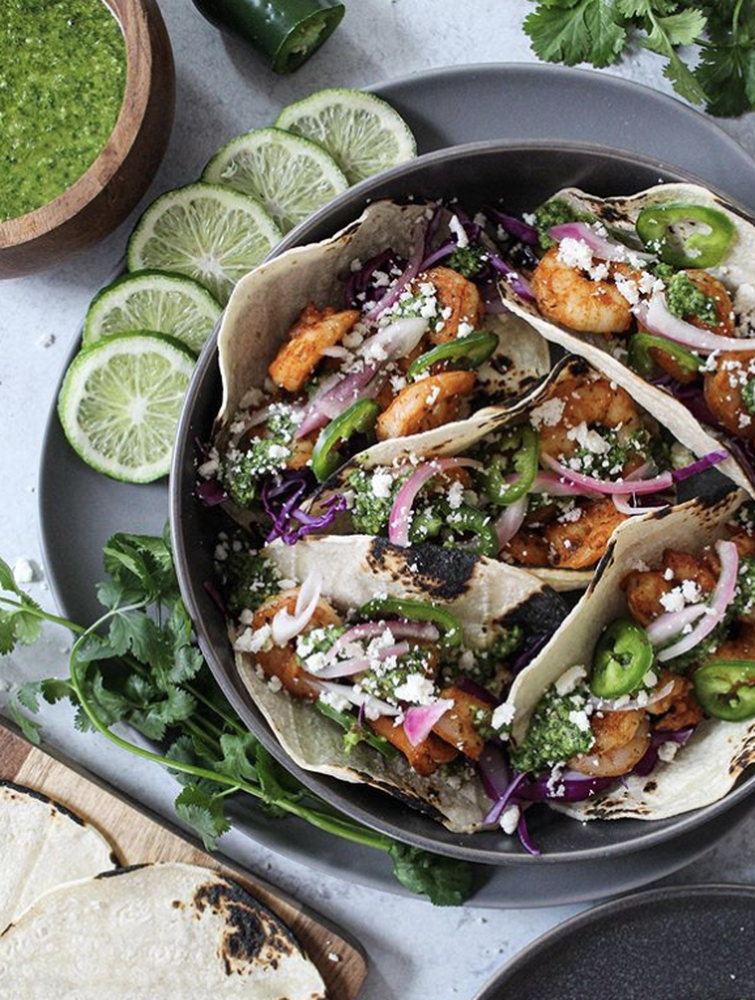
x=682, y=943
x=80, y=509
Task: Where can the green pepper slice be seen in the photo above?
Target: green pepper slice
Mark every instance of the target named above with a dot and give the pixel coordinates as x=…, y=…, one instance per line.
x=641, y=361
x=350, y=725
x=464, y=518
x=671, y=232
x=623, y=656
x=526, y=463
x=285, y=33
x=416, y=611
x=726, y=689
x=359, y=418
x=466, y=352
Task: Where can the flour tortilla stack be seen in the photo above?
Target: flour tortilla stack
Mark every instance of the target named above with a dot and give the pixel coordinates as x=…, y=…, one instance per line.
x=156, y=932
x=43, y=844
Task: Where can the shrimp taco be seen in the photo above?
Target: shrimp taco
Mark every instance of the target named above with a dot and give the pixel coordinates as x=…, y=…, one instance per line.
x=382, y=332
x=384, y=665
x=542, y=485
x=643, y=704
x=658, y=291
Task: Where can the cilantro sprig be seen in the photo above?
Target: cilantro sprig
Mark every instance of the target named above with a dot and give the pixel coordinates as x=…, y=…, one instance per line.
x=708, y=45
x=139, y=665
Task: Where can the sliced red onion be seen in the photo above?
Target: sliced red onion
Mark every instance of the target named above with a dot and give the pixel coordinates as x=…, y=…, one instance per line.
x=408, y=274
x=425, y=631
x=706, y=462
x=633, y=703
x=672, y=623
x=655, y=485
x=624, y=507
x=284, y=625
x=420, y=719
x=602, y=246
x=511, y=520
x=360, y=698
x=512, y=277
x=721, y=598
x=464, y=683
x=357, y=664
x=656, y=317
x=546, y=482
x=396, y=340
x=506, y=796
x=400, y=517
x=524, y=836
x=515, y=227
x=336, y=394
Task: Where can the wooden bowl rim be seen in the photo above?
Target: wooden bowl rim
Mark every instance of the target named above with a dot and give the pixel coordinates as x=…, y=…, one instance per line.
x=139, y=56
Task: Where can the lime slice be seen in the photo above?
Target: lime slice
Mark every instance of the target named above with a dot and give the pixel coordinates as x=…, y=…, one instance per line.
x=153, y=300
x=207, y=232
x=362, y=133
x=120, y=402
x=291, y=176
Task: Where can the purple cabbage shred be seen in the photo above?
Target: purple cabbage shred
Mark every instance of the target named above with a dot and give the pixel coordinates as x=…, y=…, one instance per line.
x=282, y=500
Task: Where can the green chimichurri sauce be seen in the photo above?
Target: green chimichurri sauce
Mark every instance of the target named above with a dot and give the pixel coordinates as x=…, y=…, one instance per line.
x=62, y=79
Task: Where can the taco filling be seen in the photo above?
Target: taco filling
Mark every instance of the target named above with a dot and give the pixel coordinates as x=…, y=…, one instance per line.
x=681, y=657
x=661, y=282
x=546, y=490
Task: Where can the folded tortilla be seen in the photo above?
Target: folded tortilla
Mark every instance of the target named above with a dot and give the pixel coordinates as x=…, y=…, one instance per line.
x=173, y=931
x=266, y=302
x=708, y=765
x=479, y=591
x=737, y=269
x=43, y=844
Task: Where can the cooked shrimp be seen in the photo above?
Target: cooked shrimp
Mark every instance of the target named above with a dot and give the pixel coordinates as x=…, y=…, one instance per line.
x=456, y=293
x=645, y=588
x=621, y=740
x=724, y=325
x=567, y=295
x=425, y=757
x=740, y=647
x=457, y=726
x=579, y=544
x=723, y=390
x=527, y=548
x=595, y=402
x=280, y=661
x=422, y=405
x=680, y=708
x=314, y=331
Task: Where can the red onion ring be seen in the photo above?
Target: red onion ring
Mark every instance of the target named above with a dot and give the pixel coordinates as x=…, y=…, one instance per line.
x=656, y=317
x=420, y=719
x=601, y=246
x=284, y=625
x=511, y=521
x=624, y=486
x=400, y=517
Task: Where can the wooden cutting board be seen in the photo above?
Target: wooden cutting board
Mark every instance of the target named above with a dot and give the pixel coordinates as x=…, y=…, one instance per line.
x=140, y=837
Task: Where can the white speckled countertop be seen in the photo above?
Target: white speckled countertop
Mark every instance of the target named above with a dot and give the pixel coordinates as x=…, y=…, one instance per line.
x=415, y=951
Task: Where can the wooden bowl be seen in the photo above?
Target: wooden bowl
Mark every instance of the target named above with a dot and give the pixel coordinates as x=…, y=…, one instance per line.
x=105, y=194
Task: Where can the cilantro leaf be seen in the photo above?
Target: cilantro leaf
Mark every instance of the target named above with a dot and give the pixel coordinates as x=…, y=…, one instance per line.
x=31, y=730
x=728, y=74
x=444, y=881
x=7, y=632
x=203, y=812
x=7, y=579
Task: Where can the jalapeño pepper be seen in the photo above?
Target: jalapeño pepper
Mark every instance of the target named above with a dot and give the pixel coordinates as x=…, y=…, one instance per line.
x=416, y=611
x=362, y=734
x=466, y=352
x=686, y=235
x=726, y=689
x=642, y=362
x=359, y=418
x=284, y=32
x=623, y=656
x=526, y=462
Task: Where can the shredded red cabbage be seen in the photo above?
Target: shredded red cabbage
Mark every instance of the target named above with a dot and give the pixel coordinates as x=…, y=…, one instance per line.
x=517, y=282
x=708, y=461
x=210, y=493
x=361, y=289
x=569, y=787
x=515, y=227
x=476, y=690
x=524, y=836
x=647, y=764
x=509, y=795
x=529, y=653
x=282, y=497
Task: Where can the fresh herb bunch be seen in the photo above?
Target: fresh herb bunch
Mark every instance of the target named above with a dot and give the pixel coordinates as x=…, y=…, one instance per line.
x=140, y=665
x=708, y=45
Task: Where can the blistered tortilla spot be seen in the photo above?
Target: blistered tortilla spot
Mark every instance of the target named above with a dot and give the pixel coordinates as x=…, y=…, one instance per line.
x=650, y=787
x=122, y=871
x=446, y=574
x=18, y=792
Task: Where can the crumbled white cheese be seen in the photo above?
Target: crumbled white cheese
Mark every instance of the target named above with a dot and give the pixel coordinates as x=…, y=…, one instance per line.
x=578, y=717
x=462, y=240
x=548, y=413
x=46, y=340
x=503, y=715
x=251, y=398
x=510, y=819
x=569, y=680
x=335, y=700
x=455, y=495
x=575, y=253
x=382, y=483
x=254, y=640
x=23, y=571
x=416, y=689
x=588, y=439
x=667, y=751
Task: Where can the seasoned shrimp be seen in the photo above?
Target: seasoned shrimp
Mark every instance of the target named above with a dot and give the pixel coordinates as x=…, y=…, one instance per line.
x=680, y=708
x=459, y=725
x=621, y=741
x=645, y=588
x=595, y=402
x=567, y=295
x=527, y=548
x=724, y=388
x=578, y=544
x=741, y=647
x=280, y=661
x=456, y=293
x=314, y=331
x=422, y=405
x=424, y=758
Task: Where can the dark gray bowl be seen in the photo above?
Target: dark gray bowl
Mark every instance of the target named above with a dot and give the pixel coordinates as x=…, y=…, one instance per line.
x=689, y=942
x=523, y=175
